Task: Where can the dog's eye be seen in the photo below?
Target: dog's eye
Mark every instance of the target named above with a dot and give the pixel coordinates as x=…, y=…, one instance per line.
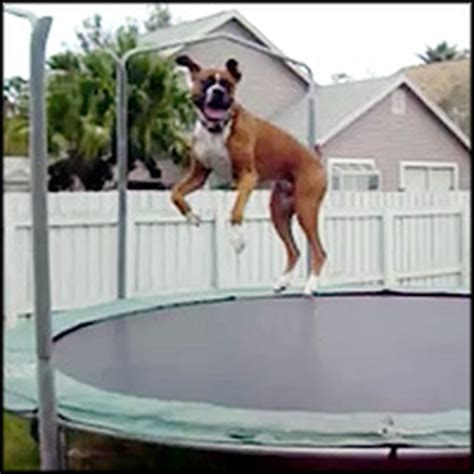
x=208, y=82
x=225, y=83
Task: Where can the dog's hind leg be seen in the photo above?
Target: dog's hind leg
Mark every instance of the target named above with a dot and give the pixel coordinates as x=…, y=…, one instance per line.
x=309, y=193
x=282, y=210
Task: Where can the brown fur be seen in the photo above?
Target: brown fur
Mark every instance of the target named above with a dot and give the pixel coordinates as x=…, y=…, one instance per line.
x=260, y=151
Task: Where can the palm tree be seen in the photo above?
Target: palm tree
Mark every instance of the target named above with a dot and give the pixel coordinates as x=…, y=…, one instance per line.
x=81, y=105
x=81, y=100
x=441, y=52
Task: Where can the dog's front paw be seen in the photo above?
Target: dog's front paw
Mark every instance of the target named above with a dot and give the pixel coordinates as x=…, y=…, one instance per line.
x=237, y=238
x=193, y=219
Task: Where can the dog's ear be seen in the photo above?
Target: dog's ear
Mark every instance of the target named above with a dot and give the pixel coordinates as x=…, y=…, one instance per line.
x=186, y=61
x=233, y=67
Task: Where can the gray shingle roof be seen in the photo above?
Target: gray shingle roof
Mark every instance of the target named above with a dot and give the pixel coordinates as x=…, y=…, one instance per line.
x=333, y=103
x=186, y=30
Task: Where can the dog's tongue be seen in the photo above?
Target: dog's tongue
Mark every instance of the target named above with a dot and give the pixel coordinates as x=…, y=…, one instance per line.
x=214, y=114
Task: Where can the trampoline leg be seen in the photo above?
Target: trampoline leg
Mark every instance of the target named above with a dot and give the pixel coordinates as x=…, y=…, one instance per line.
x=34, y=428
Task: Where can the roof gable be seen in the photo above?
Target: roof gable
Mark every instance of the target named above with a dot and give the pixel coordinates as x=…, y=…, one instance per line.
x=185, y=30
x=195, y=29
x=339, y=105
x=393, y=83
x=333, y=104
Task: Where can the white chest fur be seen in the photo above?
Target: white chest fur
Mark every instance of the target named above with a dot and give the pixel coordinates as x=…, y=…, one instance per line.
x=210, y=149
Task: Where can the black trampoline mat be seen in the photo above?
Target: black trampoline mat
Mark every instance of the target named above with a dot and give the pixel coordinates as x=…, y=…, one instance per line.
x=333, y=354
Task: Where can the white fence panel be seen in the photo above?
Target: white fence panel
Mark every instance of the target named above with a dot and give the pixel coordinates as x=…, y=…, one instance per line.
x=82, y=246
x=165, y=252
x=372, y=239
x=397, y=239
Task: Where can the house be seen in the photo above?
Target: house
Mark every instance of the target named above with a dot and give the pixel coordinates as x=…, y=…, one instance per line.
x=377, y=134
x=16, y=174
x=384, y=134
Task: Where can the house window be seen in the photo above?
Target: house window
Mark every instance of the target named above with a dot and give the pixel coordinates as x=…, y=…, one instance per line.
x=353, y=175
x=428, y=176
x=398, y=102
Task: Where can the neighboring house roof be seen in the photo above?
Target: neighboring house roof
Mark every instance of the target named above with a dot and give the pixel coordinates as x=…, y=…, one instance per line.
x=195, y=29
x=448, y=84
x=333, y=104
x=339, y=105
x=437, y=79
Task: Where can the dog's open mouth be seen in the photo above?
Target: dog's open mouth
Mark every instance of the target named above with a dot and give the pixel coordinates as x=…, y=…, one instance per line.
x=215, y=114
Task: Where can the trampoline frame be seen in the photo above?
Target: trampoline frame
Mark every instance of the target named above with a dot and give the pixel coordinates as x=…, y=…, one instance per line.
x=396, y=454
x=48, y=416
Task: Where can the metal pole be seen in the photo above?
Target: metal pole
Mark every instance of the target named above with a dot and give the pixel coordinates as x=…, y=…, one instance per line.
x=121, y=113
x=122, y=163
x=38, y=156
x=48, y=431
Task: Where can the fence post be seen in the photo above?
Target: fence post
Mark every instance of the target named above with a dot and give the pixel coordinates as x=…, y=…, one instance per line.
x=388, y=248
x=9, y=286
x=130, y=243
x=219, y=239
x=465, y=249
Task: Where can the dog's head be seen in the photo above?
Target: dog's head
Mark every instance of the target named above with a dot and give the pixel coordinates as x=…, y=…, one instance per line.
x=212, y=90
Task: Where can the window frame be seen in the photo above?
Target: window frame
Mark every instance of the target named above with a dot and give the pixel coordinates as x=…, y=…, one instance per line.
x=403, y=165
x=350, y=161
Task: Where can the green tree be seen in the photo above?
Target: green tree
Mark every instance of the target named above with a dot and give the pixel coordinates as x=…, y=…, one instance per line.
x=81, y=99
x=15, y=116
x=442, y=52
x=15, y=136
x=80, y=105
x=159, y=17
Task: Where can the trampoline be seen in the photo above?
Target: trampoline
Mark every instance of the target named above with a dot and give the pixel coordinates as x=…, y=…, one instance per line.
x=340, y=380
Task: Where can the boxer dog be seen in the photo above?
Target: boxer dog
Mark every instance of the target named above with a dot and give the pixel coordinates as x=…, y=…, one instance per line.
x=248, y=150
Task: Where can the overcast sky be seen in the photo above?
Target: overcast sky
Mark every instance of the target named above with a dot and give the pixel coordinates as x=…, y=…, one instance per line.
x=361, y=40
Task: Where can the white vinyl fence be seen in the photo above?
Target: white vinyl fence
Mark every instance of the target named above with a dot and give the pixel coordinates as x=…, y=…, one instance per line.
x=372, y=239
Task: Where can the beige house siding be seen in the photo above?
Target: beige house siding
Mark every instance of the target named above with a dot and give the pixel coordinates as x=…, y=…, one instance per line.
x=260, y=73
x=389, y=139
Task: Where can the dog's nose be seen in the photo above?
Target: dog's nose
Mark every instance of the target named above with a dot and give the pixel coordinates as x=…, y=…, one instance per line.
x=218, y=93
